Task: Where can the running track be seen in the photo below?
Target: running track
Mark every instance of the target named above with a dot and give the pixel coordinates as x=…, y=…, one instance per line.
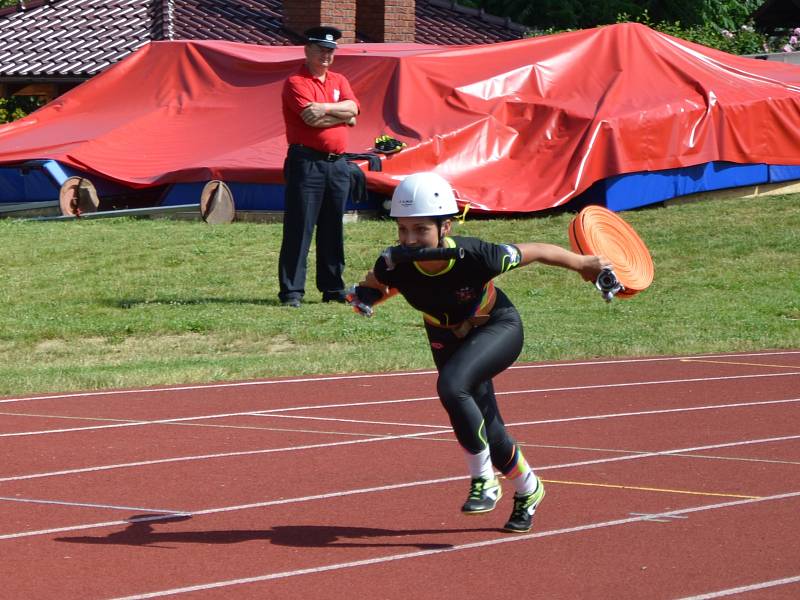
x=670, y=477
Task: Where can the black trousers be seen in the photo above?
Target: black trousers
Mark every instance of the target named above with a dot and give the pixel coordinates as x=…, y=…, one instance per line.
x=317, y=190
x=466, y=368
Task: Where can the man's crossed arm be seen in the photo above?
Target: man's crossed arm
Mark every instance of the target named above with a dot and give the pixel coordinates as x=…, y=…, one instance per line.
x=328, y=114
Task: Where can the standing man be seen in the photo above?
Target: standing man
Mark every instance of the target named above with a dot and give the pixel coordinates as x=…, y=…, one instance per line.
x=318, y=107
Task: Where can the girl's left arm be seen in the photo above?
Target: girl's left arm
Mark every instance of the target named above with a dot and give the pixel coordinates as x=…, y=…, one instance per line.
x=588, y=267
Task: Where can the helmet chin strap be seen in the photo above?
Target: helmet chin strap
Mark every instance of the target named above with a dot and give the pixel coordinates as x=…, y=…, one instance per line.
x=439, y=226
x=460, y=217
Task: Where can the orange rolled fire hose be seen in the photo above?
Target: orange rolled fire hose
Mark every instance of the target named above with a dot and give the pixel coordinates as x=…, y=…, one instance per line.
x=598, y=231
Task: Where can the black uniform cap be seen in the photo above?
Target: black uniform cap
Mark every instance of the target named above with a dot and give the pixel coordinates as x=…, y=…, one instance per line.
x=323, y=36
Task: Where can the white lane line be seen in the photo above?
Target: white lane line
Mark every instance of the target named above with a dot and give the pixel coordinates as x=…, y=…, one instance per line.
x=175, y=459
x=622, y=451
x=382, y=402
x=54, y=530
x=253, y=505
x=744, y=459
x=253, y=414
x=88, y=505
x=183, y=422
x=739, y=363
x=552, y=421
x=394, y=487
x=653, y=382
x=209, y=386
x=361, y=421
x=282, y=429
x=457, y=548
x=660, y=412
x=211, y=425
x=669, y=452
x=63, y=417
x=248, y=413
x=745, y=588
x=213, y=386
x=379, y=438
x=72, y=429
x=657, y=518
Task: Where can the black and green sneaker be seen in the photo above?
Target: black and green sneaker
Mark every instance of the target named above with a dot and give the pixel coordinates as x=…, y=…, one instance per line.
x=388, y=145
x=524, y=506
x=483, y=496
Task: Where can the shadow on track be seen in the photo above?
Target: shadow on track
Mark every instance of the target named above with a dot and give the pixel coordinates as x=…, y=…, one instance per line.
x=142, y=532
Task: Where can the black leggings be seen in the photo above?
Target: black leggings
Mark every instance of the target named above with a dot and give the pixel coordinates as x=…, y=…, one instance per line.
x=466, y=368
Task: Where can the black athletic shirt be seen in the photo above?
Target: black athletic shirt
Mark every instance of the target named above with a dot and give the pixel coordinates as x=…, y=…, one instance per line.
x=461, y=289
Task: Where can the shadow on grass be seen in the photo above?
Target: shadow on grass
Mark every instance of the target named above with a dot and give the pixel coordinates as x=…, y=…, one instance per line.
x=141, y=532
x=128, y=303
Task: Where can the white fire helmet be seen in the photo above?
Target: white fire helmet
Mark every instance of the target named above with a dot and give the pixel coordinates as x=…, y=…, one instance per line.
x=423, y=195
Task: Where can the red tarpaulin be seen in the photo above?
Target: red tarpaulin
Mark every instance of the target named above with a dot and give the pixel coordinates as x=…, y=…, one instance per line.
x=515, y=126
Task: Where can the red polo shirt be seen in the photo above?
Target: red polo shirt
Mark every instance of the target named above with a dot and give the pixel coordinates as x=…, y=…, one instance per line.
x=303, y=88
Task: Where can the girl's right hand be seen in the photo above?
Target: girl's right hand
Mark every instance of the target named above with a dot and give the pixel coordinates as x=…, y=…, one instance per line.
x=592, y=265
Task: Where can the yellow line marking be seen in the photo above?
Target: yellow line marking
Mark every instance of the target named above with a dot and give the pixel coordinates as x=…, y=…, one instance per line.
x=747, y=364
x=649, y=489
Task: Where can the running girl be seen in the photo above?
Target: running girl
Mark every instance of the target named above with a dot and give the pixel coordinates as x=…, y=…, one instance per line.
x=474, y=330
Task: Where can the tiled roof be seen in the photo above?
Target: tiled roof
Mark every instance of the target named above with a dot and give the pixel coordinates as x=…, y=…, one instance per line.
x=248, y=21
x=444, y=22
x=82, y=37
x=71, y=37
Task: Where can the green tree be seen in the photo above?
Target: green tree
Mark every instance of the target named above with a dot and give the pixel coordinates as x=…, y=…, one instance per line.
x=568, y=14
x=726, y=14
x=740, y=40
x=721, y=24
x=16, y=107
x=559, y=14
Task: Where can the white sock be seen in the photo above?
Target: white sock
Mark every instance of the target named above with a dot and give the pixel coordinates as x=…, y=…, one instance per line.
x=480, y=465
x=525, y=484
x=521, y=475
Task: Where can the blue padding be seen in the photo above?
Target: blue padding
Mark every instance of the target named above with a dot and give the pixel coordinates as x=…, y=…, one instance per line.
x=257, y=196
x=57, y=172
x=783, y=173
x=26, y=185
x=60, y=173
x=640, y=189
x=41, y=180
x=182, y=193
x=247, y=196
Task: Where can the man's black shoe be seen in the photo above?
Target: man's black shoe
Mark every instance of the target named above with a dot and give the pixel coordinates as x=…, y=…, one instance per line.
x=340, y=296
x=292, y=302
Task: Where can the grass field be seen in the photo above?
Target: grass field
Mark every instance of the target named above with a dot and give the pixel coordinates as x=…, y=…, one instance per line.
x=118, y=302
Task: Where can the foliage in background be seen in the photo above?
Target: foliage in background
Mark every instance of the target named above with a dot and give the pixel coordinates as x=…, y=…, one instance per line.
x=579, y=14
x=721, y=24
x=16, y=107
x=559, y=14
x=743, y=39
x=723, y=14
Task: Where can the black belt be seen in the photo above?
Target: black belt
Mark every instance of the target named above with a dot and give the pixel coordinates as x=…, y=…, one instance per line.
x=316, y=154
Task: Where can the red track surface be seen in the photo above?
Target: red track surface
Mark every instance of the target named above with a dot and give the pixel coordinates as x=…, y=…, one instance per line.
x=666, y=478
